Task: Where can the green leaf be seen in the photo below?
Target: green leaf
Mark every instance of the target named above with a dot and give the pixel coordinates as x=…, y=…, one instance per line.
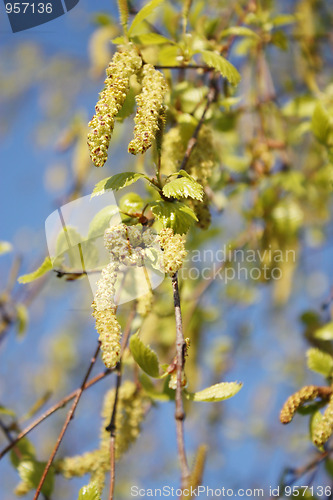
x=101, y=221
x=283, y=20
x=221, y=64
x=217, y=392
x=31, y=471
x=144, y=13
x=315, y=420
x=325, y=332
x=44, y=268
x=239, y=31
x=151, y=39
x=144, y=356
x=174, y=214
x=81, y=254
x=89, y=492
x=152, y=392
x=123, y=13
x=131, y=203
x=26, y=450
x=5, y=247
x=6, y=411
x=183, y=187
x=319, y=361
x=22, y=319
x=116, y=182
x=320, y=123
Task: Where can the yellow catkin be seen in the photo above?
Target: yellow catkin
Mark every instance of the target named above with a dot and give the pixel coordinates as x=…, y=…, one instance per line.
x=130, y=412
x=324, y=429
x=122, y=66
x=201, y=161
x=201, y=210
x=80, y=465
x=109, y=332
x=174, y=252
x=150, y=104
x=145, y=303
x=305, y=394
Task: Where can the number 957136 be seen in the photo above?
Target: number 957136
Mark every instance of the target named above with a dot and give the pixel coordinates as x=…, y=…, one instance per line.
x=31, y=8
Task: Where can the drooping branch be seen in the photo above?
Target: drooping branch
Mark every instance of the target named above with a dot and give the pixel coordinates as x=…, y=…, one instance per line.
x=179, y=413
x=69, y=417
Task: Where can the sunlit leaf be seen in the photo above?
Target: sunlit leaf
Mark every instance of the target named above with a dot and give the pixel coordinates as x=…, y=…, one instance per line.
x=217, y=392
x=144, y=356
x=319, y=361
x=320, y=123
x=116, y=182
x=89, y=492
x=174, y=214
x=183, y=187
x=143, y=14
x=44, y=268
x=221, y=64
x=325, y=332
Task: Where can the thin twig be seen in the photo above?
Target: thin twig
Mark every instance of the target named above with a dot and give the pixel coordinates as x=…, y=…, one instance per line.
x=179, y=413
x=69, y=417
x=112, y=425
x=52, y=410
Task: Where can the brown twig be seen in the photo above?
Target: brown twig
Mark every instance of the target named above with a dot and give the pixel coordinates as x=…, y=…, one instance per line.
x=52, y=410
x=69, y=417
x=112, y=425
x=179, y=413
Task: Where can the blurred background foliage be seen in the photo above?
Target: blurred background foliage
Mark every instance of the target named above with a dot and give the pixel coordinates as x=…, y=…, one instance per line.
x=271, y=189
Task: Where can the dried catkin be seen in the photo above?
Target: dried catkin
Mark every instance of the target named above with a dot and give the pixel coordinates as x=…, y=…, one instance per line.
x=323, y=430
x=305, y=394
x=174, y=252
x=150, y=104
x=122, y=66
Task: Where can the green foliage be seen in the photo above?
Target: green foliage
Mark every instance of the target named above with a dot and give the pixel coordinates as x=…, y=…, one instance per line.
x=183, y=187
x=23, y=450
x=116, y=182
x=101, y=221
x=176, y=215
x=143, y=14
x=45, y=267
x=221, y=65
x=89, y=492
x=217, y=392
x=6, y=411
x=321, y=124
x=30, y=471
x=145, y=357
x=319, y=361
x=315, y=420
x=325, y=332
x=22, y=315
x=5, y=247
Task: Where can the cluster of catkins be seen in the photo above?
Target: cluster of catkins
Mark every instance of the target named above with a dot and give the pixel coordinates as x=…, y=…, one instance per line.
x=323, y=428
x=199, y=165
x=131, y=408
x=127, y=246
x=123, y=65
